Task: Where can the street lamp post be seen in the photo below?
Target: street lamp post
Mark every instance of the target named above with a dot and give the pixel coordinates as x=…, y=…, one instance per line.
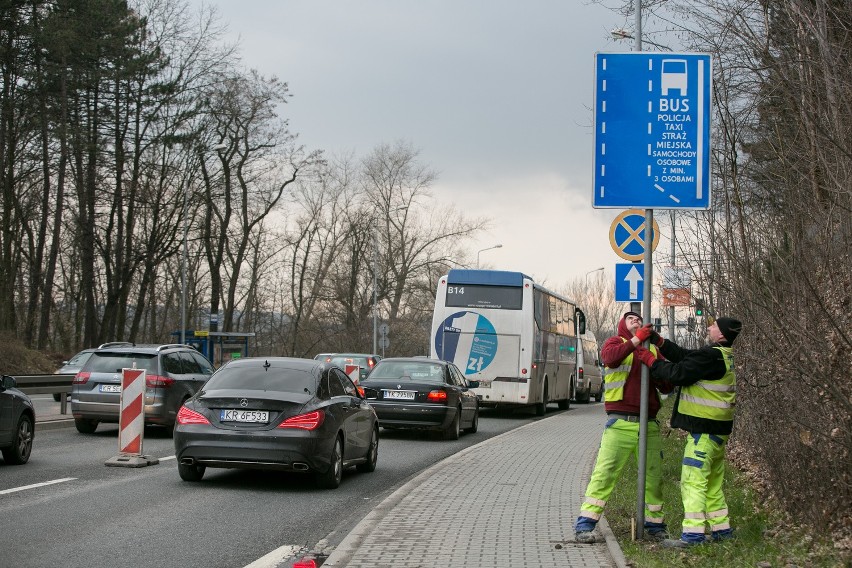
x=375, y=289
x=375, y=280
x=483, y=250
x=586, y=278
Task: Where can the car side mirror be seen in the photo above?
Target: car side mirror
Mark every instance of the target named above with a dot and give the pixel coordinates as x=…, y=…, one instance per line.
x=473, y=384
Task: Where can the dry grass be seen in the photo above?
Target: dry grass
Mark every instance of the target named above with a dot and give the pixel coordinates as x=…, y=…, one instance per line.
x=17, y=359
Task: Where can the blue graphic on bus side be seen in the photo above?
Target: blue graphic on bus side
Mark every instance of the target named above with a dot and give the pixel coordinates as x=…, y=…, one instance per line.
x=483, y=345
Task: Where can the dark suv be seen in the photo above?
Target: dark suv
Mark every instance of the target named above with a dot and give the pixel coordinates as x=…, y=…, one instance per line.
x=173, y=373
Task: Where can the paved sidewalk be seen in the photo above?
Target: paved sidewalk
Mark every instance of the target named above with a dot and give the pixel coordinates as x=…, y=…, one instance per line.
x=509, y=501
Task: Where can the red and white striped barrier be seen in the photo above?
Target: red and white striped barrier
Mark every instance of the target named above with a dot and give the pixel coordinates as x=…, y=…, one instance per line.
x=131, y=421
x=132, y=418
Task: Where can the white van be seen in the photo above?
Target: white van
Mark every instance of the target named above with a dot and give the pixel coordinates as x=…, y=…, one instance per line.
x=589, y=370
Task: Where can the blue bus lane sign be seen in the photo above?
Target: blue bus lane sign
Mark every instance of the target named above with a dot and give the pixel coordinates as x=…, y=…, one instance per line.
x=652, y=130
x=629, y=277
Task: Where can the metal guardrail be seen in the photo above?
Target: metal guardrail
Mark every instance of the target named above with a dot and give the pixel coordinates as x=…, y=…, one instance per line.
x=47, y=384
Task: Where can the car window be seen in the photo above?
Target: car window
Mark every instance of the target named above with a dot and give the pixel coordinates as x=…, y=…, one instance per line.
x=409, y=370
x=335, y=387
x=343, y=361
x=115, y=362
x=263, y=379
x=457, y=375
x=322, y=388
x=203, y=363
x=79, y=359
x=189, y=364
x=346, y=383
x=172, y=364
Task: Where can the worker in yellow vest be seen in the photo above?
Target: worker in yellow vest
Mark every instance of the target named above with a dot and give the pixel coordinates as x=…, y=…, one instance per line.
x=704, y=407
x=622, y=396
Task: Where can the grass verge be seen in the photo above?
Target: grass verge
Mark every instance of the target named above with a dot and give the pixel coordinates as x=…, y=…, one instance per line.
x=764, y=539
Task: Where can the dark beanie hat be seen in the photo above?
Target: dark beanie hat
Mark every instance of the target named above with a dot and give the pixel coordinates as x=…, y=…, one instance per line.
x=632, y=314
x=730, y=328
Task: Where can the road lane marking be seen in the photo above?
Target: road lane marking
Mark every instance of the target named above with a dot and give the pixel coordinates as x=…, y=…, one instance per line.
x=35, y=485
x=167, y=458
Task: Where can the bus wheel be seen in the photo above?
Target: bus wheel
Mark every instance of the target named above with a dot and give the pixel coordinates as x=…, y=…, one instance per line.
x=541, y=407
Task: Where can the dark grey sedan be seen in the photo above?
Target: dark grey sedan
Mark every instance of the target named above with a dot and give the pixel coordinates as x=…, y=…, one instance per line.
x=277, y=413
x=17, y=423
x=416, y=392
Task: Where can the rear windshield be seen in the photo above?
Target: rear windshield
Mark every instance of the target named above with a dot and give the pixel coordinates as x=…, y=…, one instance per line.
x=263, y=379
x=115, y=362
x=79, y=359
x=408, y=371
x=343, y=361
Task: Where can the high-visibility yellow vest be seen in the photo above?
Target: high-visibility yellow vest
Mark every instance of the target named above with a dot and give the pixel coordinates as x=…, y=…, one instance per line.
x=714, y=400
x=616, y=377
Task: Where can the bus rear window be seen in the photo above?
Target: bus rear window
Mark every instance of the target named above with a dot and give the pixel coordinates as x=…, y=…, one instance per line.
x=476, y=296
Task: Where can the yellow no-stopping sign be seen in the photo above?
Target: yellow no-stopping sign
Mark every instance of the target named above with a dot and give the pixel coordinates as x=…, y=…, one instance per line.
x=628, y=237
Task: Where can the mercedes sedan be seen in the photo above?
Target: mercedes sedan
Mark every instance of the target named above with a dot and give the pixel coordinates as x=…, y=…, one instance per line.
x=277, y=413
x=416, y=392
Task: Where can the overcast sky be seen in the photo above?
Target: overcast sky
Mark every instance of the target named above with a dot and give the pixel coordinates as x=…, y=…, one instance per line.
x=496, y=94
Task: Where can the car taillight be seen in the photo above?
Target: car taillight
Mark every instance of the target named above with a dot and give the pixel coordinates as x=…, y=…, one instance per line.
x=362, y=392
x=437, y=396
x=309, y=421
x=187, y=416
x=305, y=563
x=81, y=378
x=157, y=381
x=524, y=371
x=371, y=363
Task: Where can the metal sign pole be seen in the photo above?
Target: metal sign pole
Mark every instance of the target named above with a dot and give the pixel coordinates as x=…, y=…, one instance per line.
x=646, y=317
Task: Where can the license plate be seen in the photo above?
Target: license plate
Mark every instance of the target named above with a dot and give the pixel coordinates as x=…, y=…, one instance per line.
x=399, y=395
x=110, y=388
x=261, y=416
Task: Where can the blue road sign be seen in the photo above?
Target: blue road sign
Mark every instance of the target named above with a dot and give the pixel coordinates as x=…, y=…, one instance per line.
x=652, y=130
x=629, y=278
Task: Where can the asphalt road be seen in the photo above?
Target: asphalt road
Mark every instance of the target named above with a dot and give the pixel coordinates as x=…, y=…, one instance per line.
x=88, y=514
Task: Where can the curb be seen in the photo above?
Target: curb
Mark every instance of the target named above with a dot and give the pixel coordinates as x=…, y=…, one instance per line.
x=54, y=424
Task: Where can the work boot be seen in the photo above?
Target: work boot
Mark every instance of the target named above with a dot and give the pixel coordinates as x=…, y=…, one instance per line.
x=723, y=535
x=585, y=537
x=658, y=534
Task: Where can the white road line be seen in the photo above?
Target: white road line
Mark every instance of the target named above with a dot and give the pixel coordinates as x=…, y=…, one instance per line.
x=277, y=556
x=167, y=458
x=35, y=485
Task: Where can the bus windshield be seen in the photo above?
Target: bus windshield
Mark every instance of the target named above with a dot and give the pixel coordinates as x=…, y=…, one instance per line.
x=477, y=296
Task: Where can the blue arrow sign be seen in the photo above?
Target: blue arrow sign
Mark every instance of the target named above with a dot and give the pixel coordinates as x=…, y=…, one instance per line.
x=629, y=278
x=652, y=130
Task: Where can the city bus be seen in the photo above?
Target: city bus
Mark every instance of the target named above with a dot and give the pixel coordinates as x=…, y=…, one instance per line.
x=517, y=338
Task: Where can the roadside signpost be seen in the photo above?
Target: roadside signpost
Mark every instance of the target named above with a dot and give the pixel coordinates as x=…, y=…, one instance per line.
x=628, y=237
x=652, y=150
x=652, y=130
x=629, y=277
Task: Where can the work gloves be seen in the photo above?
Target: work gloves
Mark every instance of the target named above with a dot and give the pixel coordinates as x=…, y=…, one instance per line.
x=644, y=355
x=647, y=331
x=644, y=332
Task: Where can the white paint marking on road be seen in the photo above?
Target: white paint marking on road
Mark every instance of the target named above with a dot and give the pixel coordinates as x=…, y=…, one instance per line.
x=167, y=458
x=277, y=556
x=36, y=485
